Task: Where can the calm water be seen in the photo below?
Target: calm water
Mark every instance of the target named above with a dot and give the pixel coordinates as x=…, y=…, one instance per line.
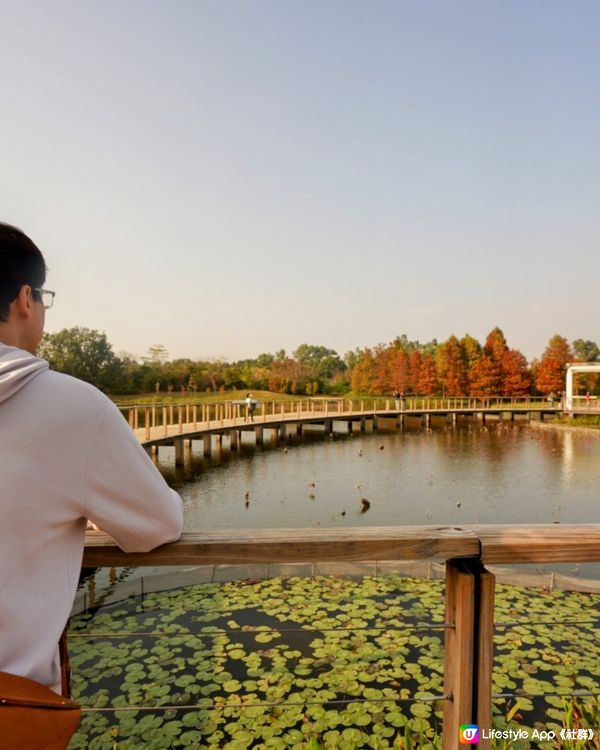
x=498, y=474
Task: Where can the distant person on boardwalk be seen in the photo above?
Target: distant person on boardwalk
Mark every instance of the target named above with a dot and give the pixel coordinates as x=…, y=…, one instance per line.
x=250, y=407
x=397, y=399
x=66, y=456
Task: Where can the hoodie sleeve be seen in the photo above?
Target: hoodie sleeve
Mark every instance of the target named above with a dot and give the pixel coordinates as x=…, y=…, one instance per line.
x=126, y=495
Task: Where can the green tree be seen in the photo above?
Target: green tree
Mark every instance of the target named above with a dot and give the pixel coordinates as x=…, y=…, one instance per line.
x=84, y=354
x=586, y=351
x=322, y=362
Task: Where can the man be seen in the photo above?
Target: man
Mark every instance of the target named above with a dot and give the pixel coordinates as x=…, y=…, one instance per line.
x=66, y=455
x=250, y=407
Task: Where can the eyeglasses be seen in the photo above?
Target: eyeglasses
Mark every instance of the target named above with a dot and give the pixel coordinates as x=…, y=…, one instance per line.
x=46, y=295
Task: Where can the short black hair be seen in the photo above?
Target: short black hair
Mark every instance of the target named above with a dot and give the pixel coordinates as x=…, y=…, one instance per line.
x=21, y=263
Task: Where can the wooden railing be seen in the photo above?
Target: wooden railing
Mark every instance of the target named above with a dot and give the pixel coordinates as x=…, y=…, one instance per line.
x=469, y=626
x=171, y=414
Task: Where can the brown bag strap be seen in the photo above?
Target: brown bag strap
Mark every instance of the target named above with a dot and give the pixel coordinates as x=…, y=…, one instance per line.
x=65, y=667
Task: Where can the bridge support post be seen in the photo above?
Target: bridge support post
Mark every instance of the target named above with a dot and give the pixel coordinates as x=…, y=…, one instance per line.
x=258, y=433
x=428, y=420
x=207, y=443
x=454, y=418
x=328, y=426
x=468, y=649
x=233, y=439
x=363, y=423
x=282, y=430
x=179, y=459
x=299, y=428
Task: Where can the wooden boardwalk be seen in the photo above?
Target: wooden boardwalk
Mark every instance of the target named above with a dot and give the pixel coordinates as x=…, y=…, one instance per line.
x=173, y=424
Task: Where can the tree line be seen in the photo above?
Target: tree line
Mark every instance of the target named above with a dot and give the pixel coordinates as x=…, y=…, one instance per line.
x=455, y=367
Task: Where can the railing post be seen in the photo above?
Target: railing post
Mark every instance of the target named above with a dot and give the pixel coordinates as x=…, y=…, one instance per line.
x=147, y=422
x=164, y=420
x=468, y=649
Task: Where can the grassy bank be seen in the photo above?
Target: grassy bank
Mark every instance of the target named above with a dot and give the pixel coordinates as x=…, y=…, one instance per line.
x=190, y=397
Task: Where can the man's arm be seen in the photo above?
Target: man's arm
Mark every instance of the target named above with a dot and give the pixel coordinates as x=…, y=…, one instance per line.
x=126, y=495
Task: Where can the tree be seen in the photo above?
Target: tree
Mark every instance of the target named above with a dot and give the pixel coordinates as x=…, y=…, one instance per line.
x=486, y=378
x=472, y=349
x=82, y=353
x=400, y=370
x=586, y=351
x=552, y=368
x=427, y=384
x=495, y=345
x=363, y=373
x=415, y=362
x=322, y=362
x=289, y=376
x=157, y=355
x=451, y=367
x=516, y=379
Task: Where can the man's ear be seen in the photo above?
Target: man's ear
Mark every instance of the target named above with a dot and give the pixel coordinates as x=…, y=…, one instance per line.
x=22, y=304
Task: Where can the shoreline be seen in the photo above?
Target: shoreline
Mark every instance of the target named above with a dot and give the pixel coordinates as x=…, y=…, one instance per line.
x=565, y=427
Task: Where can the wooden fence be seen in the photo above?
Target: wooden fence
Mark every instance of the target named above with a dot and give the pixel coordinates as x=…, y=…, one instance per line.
x=466, y=550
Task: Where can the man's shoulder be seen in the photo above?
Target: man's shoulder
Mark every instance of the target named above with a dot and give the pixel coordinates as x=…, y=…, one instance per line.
x=70, y=394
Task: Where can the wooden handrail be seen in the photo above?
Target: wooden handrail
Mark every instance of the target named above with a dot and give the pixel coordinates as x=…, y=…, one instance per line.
x=468, y=647
x=239, y=546
x=492, y=544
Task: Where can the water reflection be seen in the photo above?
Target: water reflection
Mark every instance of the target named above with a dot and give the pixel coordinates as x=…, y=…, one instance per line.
x=449, y=474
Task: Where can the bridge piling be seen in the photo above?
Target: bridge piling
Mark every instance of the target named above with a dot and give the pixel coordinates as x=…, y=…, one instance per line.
x=179, y=459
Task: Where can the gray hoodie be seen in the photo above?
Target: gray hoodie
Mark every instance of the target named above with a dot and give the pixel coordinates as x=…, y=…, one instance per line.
x=66, y=455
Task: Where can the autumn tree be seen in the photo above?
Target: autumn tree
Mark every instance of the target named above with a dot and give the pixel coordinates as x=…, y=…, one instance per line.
x=414, y=365
x=362, y=374
x=472, y=351
x=399, y=370
x=552, y=367
x=516, y=378
x=427, y=384
x=485, y=378
x=451, y=367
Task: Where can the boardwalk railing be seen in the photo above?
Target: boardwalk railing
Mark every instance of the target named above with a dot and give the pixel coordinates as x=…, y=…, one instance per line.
x=197, y=415
x=466, y=550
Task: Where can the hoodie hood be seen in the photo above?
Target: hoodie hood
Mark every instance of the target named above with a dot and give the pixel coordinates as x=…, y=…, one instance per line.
x=17, y=368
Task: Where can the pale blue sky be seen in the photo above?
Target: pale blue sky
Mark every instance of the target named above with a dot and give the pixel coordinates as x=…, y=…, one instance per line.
x=232, y=177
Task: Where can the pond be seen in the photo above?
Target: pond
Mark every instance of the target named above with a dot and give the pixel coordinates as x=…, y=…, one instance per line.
x=334, y=662
x=499, y=473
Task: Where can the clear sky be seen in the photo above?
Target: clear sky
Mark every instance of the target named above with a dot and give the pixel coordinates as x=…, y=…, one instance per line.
x=228, y=177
